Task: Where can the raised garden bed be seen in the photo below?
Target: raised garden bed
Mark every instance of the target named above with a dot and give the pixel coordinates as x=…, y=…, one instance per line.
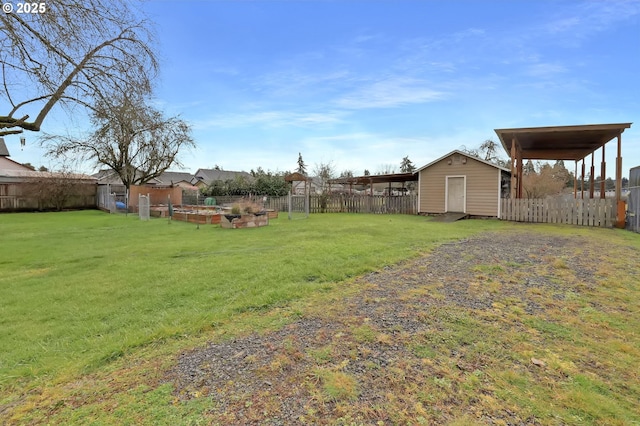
x=236, y=221
x=204, y=215
x=201, y=218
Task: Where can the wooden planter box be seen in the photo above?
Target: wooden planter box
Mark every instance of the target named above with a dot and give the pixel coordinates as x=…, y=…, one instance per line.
x=203, y=219
x=232, y=221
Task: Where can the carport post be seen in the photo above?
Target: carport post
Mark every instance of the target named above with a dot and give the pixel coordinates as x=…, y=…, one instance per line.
x=619, y=169
x=603, y=174
x=621, y=205
x=575, y=181
x=592, y=177
x=513, y=169
x=520, y=174
x=582, y=181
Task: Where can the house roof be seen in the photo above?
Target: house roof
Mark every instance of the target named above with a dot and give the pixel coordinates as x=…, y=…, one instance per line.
x=169, y=178
x=209, y=175
x=559, y=142
x=13, y=165
x=4, y=152
x=473, y=157
x=36, y=174
x=108, y=176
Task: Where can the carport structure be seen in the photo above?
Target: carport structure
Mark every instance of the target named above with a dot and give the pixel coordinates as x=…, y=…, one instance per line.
x=372, y=179
x=563, y=143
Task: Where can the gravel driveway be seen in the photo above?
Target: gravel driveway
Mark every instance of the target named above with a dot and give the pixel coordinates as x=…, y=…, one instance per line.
x=274, y=378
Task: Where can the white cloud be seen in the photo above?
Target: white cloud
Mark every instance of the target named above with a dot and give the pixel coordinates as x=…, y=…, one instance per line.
x=293, y=82
x=545, y=70
x=577, y=23
x=391, y=93
x=269, y=119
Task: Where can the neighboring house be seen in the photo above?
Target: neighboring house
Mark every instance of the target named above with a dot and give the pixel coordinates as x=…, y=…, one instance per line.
x=7, y=163
x=109, y=177
x=22, y=188
x=181, y=179
x=204, y=177
x=315, y=186
x=459, y=182
x=158, y=188
x=166, y=179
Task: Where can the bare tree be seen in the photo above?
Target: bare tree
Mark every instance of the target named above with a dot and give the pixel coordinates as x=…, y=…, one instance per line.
x=386, y=169
x=132, y=138
x=74, y=52
x=324, y=172
x=542, y=183
x=488, y=151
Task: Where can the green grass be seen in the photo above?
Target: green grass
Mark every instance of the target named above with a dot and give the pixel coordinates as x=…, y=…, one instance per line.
x=95, y=308
x=81, y=289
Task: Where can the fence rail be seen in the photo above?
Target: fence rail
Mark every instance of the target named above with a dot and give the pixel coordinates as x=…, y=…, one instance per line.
x=592, y=212
x=335, y=203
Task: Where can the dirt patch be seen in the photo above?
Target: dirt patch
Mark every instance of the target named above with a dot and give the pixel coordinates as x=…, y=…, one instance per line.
x=367, y=359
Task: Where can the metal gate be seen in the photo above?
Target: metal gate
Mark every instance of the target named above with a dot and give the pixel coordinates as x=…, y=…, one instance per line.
x=143, y=206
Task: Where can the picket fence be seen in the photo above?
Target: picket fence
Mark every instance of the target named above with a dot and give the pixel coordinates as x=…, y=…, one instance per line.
x=587, y=212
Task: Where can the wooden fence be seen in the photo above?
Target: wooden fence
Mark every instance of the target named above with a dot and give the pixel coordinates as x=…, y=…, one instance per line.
x=587, y=212
x=35, y=195
x=337, y=203
x=376, y=204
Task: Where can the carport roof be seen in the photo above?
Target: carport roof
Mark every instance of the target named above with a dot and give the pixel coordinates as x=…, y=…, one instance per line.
x=368, y=179
x=559, y=142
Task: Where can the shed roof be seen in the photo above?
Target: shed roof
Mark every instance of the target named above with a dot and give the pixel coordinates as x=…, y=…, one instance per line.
x=466, y=154
x=297, y=177
x=559, y=142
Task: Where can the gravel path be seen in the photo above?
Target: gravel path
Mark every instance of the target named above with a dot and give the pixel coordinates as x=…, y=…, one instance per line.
x=273, y=378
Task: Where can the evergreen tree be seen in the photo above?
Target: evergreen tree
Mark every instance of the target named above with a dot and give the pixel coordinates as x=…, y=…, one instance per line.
x=561, y=173
x=406, y=166
x=302, y=168
x=528, y=168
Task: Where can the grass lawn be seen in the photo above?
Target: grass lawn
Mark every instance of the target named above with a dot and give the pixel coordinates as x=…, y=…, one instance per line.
x=80, y=289
x=93, y=307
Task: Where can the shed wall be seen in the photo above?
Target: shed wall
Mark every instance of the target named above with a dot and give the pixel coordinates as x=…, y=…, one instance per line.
x=482, y=186
x=158, y=195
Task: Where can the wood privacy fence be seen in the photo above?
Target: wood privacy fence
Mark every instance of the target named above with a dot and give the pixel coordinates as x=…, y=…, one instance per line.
x=592, y=212
x=377, y=204
x=337, y=203
x=37, y=194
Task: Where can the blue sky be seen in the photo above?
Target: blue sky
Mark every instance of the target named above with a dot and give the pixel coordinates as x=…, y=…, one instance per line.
x=361, y=84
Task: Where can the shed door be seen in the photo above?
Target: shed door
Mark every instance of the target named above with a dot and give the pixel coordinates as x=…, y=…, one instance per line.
x=455, y=194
